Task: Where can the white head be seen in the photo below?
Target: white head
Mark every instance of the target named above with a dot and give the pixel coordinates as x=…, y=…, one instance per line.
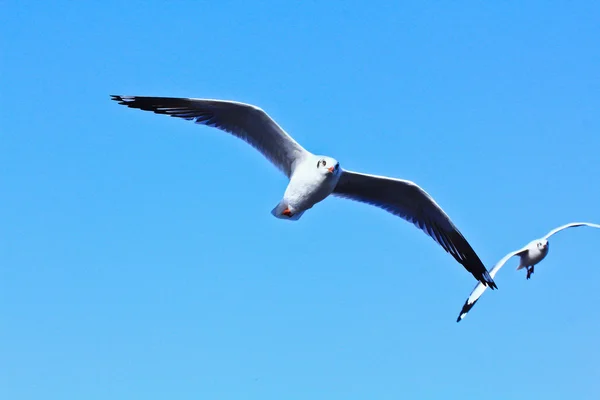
x=542, y=245
x=327, y=166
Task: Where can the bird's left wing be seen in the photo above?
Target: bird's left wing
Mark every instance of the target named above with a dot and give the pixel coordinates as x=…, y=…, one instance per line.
x=480, y=288
x=408, y=201
x=570, y=225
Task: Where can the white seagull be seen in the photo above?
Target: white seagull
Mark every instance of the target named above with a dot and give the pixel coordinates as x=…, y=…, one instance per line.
x=529, y=255
x=312, y=178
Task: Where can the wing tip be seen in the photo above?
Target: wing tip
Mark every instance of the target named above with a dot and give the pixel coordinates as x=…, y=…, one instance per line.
x=465, y=310
x=487, y=280
x=122, y=99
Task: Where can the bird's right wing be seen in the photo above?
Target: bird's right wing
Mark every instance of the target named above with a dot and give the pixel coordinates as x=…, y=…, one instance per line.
x=479, y=288
x=244, y=121
x=570, y=225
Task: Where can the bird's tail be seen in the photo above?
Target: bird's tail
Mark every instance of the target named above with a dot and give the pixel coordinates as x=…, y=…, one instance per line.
x=283, y=211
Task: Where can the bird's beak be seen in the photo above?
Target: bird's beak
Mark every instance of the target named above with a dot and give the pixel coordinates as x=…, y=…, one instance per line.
x=330, y=169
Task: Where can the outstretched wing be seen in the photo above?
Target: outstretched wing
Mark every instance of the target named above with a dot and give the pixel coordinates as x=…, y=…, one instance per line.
x=244, y=121
x=479, y=288
x=408, y=201
x=570, y=225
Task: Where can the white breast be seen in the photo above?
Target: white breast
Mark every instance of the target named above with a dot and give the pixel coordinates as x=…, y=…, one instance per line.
x=534, y=256
x=308, y=186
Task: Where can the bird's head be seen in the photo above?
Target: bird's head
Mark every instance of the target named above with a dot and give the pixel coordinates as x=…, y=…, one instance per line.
x=542, y=244
x=327, y=166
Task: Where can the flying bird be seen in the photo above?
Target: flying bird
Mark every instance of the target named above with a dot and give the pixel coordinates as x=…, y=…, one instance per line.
x=312, y=177
x=529, y=256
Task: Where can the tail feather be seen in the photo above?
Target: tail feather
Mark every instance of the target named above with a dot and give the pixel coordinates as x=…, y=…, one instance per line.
x=279, y=209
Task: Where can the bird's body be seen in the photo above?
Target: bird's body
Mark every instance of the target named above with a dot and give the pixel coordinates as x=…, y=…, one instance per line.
x=313, y=178
x=308, y=186
x=529, y=256
x=532, y=254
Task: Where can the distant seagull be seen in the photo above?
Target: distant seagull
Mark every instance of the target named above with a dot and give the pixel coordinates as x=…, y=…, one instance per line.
x=529, y=255
x=312, y=178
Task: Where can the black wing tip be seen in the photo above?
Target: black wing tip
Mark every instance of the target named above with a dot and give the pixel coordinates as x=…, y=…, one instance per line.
x=124, y=100
x=484, y=277
x=141, y=103
x=488, y=281
x=467, y=257
x=465, y=310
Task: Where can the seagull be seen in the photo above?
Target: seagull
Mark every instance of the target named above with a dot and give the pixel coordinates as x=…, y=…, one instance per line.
x=312, y=177
x=529, y=255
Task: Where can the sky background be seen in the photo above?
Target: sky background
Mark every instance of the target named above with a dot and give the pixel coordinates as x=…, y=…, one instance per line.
x=138, y=255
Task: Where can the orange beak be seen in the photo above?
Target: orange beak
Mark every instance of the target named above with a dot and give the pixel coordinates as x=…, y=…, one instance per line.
x=330, y=169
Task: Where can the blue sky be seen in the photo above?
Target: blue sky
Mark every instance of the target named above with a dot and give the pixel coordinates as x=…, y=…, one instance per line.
x=138, y=255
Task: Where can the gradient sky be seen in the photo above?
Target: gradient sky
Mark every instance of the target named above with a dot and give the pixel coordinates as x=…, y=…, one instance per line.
x=138, y=255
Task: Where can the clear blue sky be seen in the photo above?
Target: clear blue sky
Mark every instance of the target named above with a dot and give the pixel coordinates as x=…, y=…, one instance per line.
x=138, y=255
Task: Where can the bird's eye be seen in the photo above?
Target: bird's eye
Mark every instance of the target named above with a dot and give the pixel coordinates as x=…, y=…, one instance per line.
x=324, y=163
